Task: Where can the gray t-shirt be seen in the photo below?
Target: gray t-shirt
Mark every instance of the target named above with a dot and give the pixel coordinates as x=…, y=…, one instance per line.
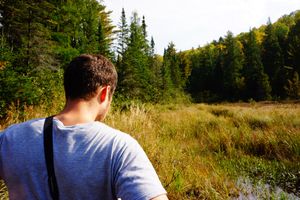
x=92, y=161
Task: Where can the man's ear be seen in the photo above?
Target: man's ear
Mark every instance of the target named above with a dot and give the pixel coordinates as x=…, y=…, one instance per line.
x=104, y=93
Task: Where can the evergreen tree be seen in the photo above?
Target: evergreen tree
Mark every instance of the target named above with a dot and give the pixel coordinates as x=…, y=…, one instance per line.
x=123, y=34
x=105, y=32
x=203, y=73
x=194, y=87
x=172, y=75
x=82, y=27
x=137, y=74
x=144, y=27
x=233, y=64
x=26, y=28
x=257, y=83
x=167, y=84
x=293, y=47
x=152, y=47
x=122, y=44
x=273, y=61
x=293, y=87
x=185, y=66
x=155, y=65
x=218, y=73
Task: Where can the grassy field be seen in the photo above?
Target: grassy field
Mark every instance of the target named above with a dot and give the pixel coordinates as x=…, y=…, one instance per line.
x=227, y=151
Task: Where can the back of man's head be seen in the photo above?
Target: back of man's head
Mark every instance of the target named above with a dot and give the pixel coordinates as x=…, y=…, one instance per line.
x=86, y=73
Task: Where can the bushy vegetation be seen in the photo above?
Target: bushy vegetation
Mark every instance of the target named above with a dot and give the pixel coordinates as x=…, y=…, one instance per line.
x=38, y=38
x=212, y=151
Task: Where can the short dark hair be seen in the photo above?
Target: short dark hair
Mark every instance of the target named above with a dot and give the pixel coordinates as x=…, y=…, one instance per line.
x=86, y=73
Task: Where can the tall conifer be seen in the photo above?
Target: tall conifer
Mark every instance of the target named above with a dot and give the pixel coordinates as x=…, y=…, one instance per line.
x=273, y=60
x=233, y=65
x=257, y=82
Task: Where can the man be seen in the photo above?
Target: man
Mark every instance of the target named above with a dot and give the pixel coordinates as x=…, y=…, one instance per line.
x=91, y=160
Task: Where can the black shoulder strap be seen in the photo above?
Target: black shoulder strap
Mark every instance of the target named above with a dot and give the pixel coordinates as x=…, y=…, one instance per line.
x=48, y=148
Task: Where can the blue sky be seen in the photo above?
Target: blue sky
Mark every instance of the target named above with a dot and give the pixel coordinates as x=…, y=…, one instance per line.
x=191, y=23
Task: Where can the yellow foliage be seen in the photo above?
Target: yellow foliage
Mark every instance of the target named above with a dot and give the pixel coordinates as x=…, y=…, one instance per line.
x=3, y=64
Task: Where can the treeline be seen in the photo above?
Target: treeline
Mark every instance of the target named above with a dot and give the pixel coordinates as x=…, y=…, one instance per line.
x=38, y=38
x=263, y=64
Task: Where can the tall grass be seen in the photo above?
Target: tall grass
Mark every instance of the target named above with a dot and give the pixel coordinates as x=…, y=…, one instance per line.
x=201, y=151
x=228, y=151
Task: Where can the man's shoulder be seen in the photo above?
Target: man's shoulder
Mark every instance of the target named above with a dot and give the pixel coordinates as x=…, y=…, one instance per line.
x=33, y=124
x=119, y=138
x=116, y=133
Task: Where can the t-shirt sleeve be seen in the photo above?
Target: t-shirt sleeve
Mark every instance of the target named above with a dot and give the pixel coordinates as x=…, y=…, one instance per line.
x=135, y=177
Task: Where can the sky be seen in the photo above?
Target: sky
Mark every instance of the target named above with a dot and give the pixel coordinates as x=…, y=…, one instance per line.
x=194, y=23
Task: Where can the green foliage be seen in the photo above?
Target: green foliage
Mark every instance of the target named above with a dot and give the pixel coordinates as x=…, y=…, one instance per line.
x=38, y=39
x=293, y=47
x=143, y=75
x=136, y=72
x=273, y=61
x=256, y=65
x=257, y=83
x=42, y=87
x=293, y=87
x=233, y=65
x=123, y=34
x=171, y=72
x=25, y=27
x=204, y=68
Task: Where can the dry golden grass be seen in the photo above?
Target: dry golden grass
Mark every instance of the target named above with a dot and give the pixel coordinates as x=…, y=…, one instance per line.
x=207, y=151
x=196, y=148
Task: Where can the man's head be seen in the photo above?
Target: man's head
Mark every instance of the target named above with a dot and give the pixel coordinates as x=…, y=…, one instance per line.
x=86, y=74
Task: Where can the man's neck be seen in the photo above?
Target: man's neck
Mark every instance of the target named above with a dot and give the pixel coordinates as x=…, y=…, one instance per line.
x=77, y=112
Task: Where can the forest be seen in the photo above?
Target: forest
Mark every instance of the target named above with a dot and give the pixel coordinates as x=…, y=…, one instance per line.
x=38, y=39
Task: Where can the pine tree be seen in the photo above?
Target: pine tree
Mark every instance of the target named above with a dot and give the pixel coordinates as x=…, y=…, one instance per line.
x=294, y=46
x=155, y=66
x=273, y=61
x=26, y=28
x=144, y=27
x=122, y=45
x=82, y=27
x=257, y=83
x=193, y=86
x=172, y=75
x=202, y=80
x=184, y=66
x=136, y=72
x=218, y=72
x=108, y=31
x=152, y=47
x=167, y=84
x=233, y=65
x=123, y=34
